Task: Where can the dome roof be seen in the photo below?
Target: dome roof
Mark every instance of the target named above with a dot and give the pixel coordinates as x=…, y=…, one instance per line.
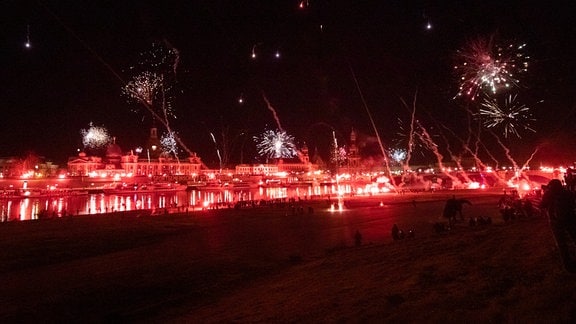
x=113, y=150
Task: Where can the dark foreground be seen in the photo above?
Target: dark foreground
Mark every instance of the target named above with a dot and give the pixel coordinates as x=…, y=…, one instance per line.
x=267, y=265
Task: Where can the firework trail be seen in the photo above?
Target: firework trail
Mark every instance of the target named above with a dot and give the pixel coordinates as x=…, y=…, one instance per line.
x=517, y=171
x=506, y=151
x=159, y=65
x=217, y=150
x=457, y=159
x=427, y=139
x=274, y=114
x=406, y=165
x=339, y=154
x=530, y=158
x=83, y=43
x=276, y=144
x=384, y=153
x=510, y=116
x=112, y=71
x=474, y=153
x=176, y=54
x=485, y=67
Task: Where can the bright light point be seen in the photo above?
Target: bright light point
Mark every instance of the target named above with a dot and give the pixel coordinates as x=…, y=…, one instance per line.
x=27, y=45
x=474, y=185
x=253, y=55
x=429, y=26
x=277, y=55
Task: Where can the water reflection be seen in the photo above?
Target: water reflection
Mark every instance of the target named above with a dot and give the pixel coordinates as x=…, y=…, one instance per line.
x=30, y=208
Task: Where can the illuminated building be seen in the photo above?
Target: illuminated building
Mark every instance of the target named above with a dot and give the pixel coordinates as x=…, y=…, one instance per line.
x=301, y=164
x=353, y=154
x=31, y=166
x=117, y=163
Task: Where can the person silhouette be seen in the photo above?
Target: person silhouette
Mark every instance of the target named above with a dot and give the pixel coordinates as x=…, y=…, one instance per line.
x=358, y=238
x=559, y=204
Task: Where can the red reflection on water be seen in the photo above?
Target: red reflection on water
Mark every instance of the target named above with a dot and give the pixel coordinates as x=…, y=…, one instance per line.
x=68, y=205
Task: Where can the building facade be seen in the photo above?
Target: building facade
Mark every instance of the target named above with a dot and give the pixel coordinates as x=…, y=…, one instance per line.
x=116, y=163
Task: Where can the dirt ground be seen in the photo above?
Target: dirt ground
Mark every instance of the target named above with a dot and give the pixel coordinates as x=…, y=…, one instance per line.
x=150, y=269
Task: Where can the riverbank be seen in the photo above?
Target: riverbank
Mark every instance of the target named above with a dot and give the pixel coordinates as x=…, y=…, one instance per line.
x=164, y=269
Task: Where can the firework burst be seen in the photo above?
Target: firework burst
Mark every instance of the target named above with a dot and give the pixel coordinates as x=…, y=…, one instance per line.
x=154, y=79
x=169, y=143
x=276, y=144
x=398, y=155
x=511, y=116
x=95, y=137
x=484, y=67
x=339, y=155
x=411, y=142
x=144, y=87
x=159, y=58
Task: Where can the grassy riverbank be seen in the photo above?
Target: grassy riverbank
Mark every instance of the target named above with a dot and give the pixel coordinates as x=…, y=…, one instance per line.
x=161, y=269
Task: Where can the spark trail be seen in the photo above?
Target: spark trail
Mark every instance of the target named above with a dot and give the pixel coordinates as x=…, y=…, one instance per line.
x=474, y=153
x=406, y=164
x=427, y=139
x=506, y=151
x=217, y=150
x=384, y=153
x=176, y=54
x=114, y=73
x=458, y=160
x=271, y=108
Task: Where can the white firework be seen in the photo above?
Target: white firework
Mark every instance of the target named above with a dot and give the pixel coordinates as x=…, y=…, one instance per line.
x=511, y=116
x=485, y=67
x=276, y=144
x=169, y=143
x=95, y=137
x=145, y=87
x=398, y=155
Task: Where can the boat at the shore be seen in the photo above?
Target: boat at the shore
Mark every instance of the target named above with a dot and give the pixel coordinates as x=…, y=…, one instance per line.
x=125, y=188
x=38, y=193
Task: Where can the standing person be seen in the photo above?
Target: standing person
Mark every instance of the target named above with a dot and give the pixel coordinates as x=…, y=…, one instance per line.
x=559, y=204
x=458, y=206
x=450, y=210
x=358, y=238
x=396, y=232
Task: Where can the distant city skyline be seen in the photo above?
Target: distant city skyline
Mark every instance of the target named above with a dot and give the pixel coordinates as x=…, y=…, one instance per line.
x=311, y=70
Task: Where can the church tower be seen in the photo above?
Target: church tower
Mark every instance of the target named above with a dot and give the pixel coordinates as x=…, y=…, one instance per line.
x=153, y=146
x=304, y=157
x=353, y=154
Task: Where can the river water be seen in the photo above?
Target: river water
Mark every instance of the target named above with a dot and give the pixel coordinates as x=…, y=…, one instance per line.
x=84, y=204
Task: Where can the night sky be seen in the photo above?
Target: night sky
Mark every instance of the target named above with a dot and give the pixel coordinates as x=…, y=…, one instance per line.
x=82, y=54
